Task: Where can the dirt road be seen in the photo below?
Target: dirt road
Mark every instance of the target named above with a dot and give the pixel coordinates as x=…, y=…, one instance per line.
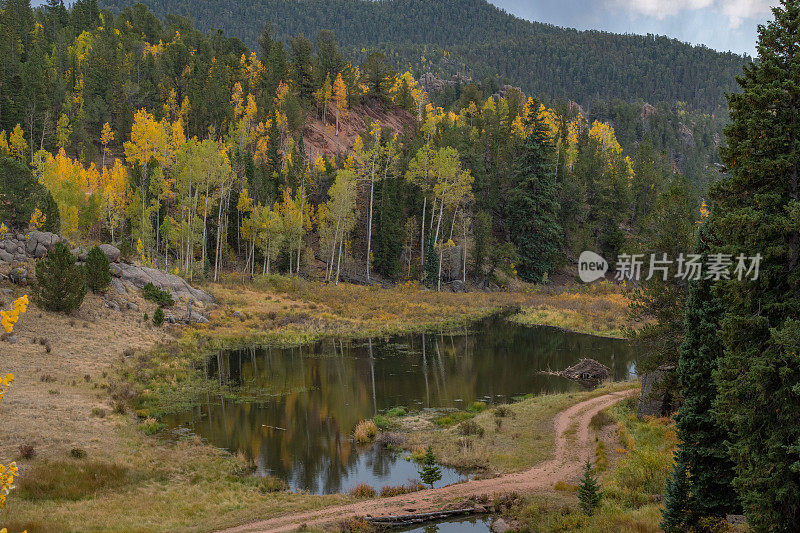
x=573, y=445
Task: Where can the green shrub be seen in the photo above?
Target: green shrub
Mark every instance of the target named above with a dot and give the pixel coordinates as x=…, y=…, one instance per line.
x=158, y=317
x=470, y=427
x=382, y=422
x=98, y=275
x=158, y=296
x=451, y=419
x=60, y=281
x=395, y=412
x=151, y=426
x=476, y=407
x=271, y=484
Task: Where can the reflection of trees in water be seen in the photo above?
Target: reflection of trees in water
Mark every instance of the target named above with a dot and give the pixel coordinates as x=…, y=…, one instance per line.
x=304, y=402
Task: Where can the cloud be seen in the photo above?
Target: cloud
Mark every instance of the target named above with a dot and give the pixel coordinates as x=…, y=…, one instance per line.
x=738, y=10
x=735, y=10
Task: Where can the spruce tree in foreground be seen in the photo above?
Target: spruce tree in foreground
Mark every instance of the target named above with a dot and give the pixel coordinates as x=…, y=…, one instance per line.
x=430, y=473
x=677, y=512
x=703, y=450
x=60, y=281
x=533, y=204
x=756, y=210
x=98, y=275
x=589, y=493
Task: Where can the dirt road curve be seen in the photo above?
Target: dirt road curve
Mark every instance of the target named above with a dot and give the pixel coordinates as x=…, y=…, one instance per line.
x=570, y=453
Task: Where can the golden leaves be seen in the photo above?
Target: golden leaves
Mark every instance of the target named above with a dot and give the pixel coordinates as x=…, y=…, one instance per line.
x=9, y=318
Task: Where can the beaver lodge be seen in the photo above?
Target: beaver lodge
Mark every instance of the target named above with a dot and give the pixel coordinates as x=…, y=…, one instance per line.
x=587, y=372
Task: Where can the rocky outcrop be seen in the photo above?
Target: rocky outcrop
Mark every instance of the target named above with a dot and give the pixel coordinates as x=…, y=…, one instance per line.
x=139, y=276
x=658, y=396
x=19, y=248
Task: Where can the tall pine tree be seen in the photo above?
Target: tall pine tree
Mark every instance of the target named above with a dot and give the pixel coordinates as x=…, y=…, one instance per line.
x=533, y=204
x=703, y=451
x=757, y=210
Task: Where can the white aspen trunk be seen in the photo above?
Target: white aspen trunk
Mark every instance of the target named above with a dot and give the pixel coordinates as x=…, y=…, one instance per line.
x=422, y=238
x=333, y=249
x=464, y=262
x=339, y=260
x=205, y=229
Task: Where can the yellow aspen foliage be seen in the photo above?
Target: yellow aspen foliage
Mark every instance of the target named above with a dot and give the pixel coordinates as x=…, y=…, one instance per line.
x=106, y=135
x=7, y=473
x=63, y=131
x=340, y=96
x=148, y=137
x=704, y=212
x=38, y=219
x=603, y=132
x=3, y=229
x=518, y=127
x=9, y=318
x=117, y=193
x=17, y=144
x=69, y=183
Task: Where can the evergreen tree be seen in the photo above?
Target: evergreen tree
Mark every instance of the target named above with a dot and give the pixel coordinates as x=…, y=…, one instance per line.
x=589, y=493
x=533, y=205
x=703, y=451
x=430, y=473
x=676, y=515
x=430, y=271
x=158, y=317
x=60, y=281
x=98, y=275
x=755, y=210
x=388, y=230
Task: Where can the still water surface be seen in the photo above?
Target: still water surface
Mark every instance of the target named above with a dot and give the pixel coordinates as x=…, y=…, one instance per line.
x=301, y=404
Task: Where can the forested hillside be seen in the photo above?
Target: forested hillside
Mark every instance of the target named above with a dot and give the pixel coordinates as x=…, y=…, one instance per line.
x=475, y=38
x=189, y=151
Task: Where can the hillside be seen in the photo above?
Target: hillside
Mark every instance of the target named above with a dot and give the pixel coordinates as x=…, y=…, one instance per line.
x=476, y=38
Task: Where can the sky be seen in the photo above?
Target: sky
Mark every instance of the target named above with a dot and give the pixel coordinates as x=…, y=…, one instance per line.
x=724, y=25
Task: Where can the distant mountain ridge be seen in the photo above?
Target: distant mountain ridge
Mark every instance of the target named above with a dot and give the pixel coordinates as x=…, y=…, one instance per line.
x=476, y=37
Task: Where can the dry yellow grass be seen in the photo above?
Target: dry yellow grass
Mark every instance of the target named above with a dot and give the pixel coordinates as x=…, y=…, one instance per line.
x=594, y=309
x=524, y=438
x=365, y=431
x=187, y=485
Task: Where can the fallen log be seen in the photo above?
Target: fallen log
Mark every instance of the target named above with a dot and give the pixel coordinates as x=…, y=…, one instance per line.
x=410, y=519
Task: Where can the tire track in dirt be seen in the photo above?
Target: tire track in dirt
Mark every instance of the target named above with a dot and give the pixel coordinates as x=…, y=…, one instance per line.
x=569, y=455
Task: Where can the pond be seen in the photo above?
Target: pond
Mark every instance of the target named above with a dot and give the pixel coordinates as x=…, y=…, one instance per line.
x=471, y=524
x=298, y=406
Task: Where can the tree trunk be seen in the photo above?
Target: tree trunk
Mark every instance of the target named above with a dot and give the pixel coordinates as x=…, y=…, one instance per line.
x=422, y=233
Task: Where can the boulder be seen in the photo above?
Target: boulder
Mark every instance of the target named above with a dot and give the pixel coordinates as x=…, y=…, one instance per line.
x=40, y=251
x=500, y=526
x=112, y=252
x=658, y=396
x=19, y=276
x=132, y=306
x=118, y=286
x=45, y=238
x=141, y=276
x=5, y=257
